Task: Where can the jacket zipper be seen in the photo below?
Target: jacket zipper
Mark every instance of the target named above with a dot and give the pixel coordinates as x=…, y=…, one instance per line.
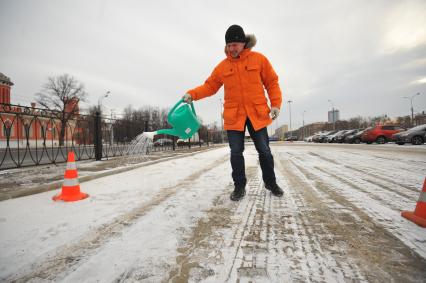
x=241, y=90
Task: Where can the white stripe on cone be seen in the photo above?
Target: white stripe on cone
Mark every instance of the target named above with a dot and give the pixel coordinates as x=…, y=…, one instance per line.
x=70, y=182
x=71, y=166
x=422, y=197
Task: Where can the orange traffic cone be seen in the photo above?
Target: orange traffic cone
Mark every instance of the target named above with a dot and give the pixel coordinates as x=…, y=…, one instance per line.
x=419, y=214
x=71, y=187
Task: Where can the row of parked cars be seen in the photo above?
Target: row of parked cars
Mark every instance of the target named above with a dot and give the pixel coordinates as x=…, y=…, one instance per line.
x=179, y=142
x=379, y=134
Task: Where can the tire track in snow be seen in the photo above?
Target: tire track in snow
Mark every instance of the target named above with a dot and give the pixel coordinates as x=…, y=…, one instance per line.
x=68, y=257
x=368, y=178
x=254, y=245
x=390, y=156
x=243, y=256
x=310, y=173
x=316, y=252
x=381, y=256
x=378, y=196
x=369, y=173
x=402, y=161
x=383, y=178
x=200, y=249
x=324, y=158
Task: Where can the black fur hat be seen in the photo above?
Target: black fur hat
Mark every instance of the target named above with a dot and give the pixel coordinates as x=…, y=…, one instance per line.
x=235, y=33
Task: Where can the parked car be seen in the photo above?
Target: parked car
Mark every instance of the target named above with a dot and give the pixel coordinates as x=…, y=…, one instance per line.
x=185, y=142
x=380, y=134
x=309, y=139
x=322, y=136
x=333, y=137
x=416, y=136
x=355, y=137
x=162, y=142
x=328, y=136
x=341, y=138
x=316, y=137
x=292, y=138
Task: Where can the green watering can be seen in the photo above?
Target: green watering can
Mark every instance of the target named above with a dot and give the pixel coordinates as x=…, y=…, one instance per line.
x=183, y=119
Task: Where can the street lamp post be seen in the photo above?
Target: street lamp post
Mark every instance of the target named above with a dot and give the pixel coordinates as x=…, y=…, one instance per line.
x=412, y=109
x=102, y=98
x=332, y=115
x=221, y=120
x=303, y=124
x=289, y=110
x=276, y=127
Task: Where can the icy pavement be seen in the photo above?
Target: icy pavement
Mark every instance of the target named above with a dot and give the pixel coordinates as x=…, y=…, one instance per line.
x=339, y=220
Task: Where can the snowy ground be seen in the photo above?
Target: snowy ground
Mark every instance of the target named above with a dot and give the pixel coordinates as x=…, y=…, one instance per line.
x=26, y=181
x=339, y=220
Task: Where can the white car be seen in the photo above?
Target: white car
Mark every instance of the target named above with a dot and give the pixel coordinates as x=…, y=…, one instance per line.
x=309, y=139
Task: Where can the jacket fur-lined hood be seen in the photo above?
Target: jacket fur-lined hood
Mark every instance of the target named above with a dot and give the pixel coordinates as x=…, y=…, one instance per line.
x=251, y=41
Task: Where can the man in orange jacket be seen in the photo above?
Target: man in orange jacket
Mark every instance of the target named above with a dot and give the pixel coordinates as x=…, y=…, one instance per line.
x=245, y=74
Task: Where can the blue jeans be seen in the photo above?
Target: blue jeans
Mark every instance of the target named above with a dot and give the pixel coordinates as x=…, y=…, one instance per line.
x=261, y=142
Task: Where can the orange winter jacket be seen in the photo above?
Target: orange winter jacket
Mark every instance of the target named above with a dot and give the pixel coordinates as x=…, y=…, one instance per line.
x=244, y=79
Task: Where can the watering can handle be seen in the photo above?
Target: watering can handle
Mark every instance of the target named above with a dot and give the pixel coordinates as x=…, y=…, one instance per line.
x=178, y=103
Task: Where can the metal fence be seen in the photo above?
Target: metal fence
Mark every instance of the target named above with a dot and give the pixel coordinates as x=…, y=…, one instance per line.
x=32, y=136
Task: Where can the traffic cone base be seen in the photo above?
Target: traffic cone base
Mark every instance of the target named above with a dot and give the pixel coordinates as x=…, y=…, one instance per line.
x=70, y=187
x=419, y=214
x=70, y=195
x=412, y=217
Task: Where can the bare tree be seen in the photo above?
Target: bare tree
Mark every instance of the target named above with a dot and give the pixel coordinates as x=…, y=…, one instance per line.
x=381, y=120
x=404, y=121
x=62, y=94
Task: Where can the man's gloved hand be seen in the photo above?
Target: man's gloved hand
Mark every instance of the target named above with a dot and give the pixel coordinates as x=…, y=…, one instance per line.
x=187, y=98
x=275, y=112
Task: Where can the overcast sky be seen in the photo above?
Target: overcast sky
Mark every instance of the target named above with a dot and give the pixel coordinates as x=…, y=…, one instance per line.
x=364, y=56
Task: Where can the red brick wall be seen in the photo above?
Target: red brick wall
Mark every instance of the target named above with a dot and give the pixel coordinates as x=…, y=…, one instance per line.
x=4, y=94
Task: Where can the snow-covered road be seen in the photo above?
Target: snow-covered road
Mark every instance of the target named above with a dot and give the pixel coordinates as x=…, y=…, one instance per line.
x=339, y=220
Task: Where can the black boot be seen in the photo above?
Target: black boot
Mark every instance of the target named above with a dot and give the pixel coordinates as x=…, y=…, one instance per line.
x=275, y=189
x=238, y=193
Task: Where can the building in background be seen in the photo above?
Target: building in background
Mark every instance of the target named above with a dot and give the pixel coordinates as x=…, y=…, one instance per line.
x=5, y=85
x=311, y=129
x=333, y=116
x=420, y=118
x=280, y=132
x=26, y=126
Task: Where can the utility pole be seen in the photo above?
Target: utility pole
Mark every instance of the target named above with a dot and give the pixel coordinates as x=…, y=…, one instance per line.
x=303, y=124
x=112, y=128
x=412, y=109
x=289, y=109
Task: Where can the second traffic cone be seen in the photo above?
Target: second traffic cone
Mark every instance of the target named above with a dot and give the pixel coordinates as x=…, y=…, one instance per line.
x=419, y=214
x=71, y=187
